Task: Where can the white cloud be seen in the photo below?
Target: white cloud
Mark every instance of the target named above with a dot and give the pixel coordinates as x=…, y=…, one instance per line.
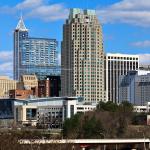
x=135, y=12
x=28, y=4
x=132, y=5
x=6, y=63
x=141, y=44
x=49, y=12
x=38, y=9
x=6, y=67
x=144, y=59
x=6, y=56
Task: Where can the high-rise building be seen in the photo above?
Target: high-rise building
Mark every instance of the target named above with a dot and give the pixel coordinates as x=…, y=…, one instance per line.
x=135, y=87
x=116, y=65
x=39, y=56
x=20, y=33
x=6, y=84
x=82, y=57
x=34, y=55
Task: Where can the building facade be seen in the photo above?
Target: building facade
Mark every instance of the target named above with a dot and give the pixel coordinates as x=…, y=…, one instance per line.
x=39, y=56
x=55, y=86
x=135, y=88
x=49, y=112
x=116, y=65
x=82, y=56
x=20, y=94
x=27, y=82
x=145, y=108
x=6, y=84
x=50, y=87
x=34, y=55
x=26, y=115
x=43, y=88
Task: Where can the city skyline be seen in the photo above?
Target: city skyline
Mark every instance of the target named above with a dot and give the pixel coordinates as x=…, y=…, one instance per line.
x=123, y=24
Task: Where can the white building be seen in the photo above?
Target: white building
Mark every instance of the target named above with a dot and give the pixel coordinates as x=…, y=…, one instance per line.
x=145, y=108
x=26, y=114
x=116, y=65
x=49, y=111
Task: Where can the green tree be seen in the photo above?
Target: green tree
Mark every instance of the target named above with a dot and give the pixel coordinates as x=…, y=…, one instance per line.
x=125, y=113
x=71, y=126
x=125, y=106
x=108, y=106
x=93, y=128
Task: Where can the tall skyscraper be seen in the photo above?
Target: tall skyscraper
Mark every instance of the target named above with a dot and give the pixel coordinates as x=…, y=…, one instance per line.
x=20, y=33
x=34, y=55
x=82, y=58
x=116, y=65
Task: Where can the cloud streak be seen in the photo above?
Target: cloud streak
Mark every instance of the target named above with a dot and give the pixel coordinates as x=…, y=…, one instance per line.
x=38, y=9
x=6, y=65
x=144, y=59
x=26, y=4
x=6, y=55
x=49, y=13
x=133, y=12
x=141, y=44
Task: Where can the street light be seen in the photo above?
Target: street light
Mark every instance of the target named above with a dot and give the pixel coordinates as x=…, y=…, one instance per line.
x=144, y=139
x=104, y=138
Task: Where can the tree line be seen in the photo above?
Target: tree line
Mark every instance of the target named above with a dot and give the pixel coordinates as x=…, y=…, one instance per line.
x=108, y=120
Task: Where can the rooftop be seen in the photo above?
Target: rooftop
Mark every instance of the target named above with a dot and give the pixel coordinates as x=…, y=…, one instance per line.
x=21, y=26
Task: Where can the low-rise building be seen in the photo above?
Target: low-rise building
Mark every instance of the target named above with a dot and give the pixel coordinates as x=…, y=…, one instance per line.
x=20, y=94
x=50, y=87
x=50, y=112
x=26, y=115
x=6, y=84
x=27, y=82
x=145, y=108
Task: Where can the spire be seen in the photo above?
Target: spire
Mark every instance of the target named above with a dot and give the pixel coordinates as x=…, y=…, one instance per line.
x=21, y=26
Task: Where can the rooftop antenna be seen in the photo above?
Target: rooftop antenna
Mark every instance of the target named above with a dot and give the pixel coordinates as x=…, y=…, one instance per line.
x=21, y=15
x=86, y=4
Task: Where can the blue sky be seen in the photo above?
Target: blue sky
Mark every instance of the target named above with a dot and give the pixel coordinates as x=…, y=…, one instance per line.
x=126, y=24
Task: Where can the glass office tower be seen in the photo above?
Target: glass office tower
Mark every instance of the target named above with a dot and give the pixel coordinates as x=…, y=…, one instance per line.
x=20, y=33
x=34, y=55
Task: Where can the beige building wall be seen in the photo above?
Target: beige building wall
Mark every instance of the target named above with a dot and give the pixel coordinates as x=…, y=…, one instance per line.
x=6, y=84
x=20, y=114
x=83, y=56
x=28, y=82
